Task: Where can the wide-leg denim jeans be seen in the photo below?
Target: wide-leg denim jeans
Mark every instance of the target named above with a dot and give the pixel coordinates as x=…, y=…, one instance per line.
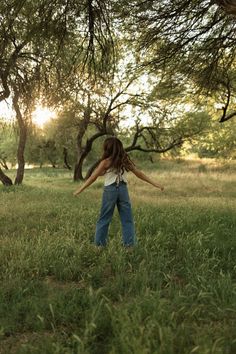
x=115, y=194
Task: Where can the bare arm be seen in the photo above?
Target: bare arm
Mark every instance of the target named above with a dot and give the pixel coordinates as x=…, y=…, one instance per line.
x=145, y=178
x=99, y=171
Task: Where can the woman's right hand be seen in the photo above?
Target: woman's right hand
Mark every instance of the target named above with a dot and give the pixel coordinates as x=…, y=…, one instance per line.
x=160, y=187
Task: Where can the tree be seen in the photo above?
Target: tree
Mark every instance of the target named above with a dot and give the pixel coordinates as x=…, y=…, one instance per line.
x=194, y=38
x=218, y=141
x=27, y=28
x=168, y=125
x=96, y=108
x=34, y=37
x=25, y=37
x=62, y=131
x=24, y=84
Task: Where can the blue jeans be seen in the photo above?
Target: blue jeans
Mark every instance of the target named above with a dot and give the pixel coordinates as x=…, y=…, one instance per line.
x=115, y=195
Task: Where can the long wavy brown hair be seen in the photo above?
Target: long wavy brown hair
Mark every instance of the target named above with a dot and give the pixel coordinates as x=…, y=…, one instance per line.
x=120, y=160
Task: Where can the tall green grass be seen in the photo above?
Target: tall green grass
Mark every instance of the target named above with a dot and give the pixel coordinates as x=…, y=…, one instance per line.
x=175, y=293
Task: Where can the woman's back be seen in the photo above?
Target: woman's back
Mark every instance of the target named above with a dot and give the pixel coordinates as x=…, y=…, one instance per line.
x=112, y=176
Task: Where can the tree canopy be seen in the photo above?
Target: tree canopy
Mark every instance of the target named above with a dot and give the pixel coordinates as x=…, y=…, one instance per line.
x=94, y=61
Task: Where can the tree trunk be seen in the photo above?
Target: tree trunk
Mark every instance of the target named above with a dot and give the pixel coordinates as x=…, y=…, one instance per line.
x=20, y=156
x=22, y=141
x=6, y=181
x=81, y=153
x=65, y=157
x=85, y=151
x=52, y=162
x=78, y=170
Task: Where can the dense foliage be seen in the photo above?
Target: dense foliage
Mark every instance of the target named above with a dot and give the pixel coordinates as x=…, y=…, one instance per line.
x=81, y=58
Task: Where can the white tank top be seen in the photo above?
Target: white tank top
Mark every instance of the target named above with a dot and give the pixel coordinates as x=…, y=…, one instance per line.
x=112, y=176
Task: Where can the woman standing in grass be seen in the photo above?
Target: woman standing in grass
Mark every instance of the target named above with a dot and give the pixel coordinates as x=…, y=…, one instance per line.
x=114, y=165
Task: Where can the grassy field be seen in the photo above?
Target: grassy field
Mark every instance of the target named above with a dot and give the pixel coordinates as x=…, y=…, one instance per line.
x=174, y=294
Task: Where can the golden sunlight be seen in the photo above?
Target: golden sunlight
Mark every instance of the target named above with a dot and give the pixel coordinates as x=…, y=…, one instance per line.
x=42, y=115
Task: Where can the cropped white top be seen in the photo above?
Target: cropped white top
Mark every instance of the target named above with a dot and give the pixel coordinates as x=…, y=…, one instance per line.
x=112, y=176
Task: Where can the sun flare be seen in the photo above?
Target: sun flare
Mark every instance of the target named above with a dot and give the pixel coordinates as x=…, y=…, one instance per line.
x=42, y=115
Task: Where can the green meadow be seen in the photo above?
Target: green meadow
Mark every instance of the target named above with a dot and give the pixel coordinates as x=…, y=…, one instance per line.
x=175, y=293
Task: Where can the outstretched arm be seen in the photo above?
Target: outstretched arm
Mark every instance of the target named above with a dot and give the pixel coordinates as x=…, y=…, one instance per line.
x=99, y=171
x=145, y=178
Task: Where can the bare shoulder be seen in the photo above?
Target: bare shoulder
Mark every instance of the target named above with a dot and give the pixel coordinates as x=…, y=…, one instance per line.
x=101, y=169
x=106, y=162
x=103, y=166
